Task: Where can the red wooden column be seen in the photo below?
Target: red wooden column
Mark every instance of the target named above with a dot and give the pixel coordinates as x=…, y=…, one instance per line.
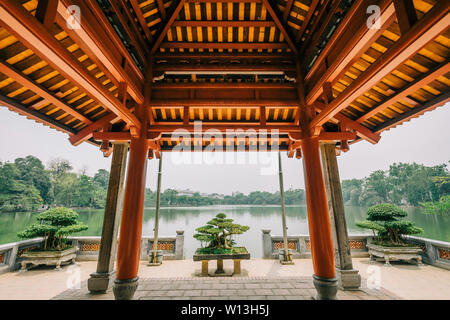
x=322, y=251
x=128, y=251
x=318, y=221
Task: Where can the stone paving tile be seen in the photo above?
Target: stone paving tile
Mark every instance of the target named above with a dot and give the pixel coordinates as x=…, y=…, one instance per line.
x=252, y=288
x=245, y=292
x=281, y=291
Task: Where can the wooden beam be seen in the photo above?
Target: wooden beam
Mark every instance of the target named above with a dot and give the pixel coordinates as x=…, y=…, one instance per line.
x=224, y=67
x=138, y=11
x=223, y=1
x=161, y=8
x=169, y=128
x=337, y=136
x=287, y=10
x=46, y=12
x=223, y=23
x=112, y=136
x=361, y=130
x=223, y=103
x=167, y=26
x=280, y=26
x=305, y=22
x=224, y=85
x=35, y=115
x=429, y=27
x=224, y=45
x=262, y=115
x=406, y=14
x=40, y=90
x=25, y=27
x=93, y=40
x=412, y=87
x=86, y=133
x=346, y=46
x=225, y=55
x=415, y=112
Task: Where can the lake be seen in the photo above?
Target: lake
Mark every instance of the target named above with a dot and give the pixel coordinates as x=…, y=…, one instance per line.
x=257, y=217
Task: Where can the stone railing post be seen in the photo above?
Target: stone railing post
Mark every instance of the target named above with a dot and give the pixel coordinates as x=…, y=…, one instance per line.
x=179, y=245
x=267, y=244
x=12, y=257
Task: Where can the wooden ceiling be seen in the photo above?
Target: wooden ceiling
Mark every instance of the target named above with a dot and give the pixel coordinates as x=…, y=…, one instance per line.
x=229, y=63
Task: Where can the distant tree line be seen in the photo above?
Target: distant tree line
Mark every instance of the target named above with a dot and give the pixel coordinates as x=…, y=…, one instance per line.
x=26, y=184
x=403, y=184
x=170, y=197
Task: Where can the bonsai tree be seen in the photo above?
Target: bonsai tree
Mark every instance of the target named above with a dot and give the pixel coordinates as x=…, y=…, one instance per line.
x=387, y=220
x=54, y=225
x=217, y=234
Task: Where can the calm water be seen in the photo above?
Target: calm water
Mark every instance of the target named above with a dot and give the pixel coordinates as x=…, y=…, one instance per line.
x=257, y=217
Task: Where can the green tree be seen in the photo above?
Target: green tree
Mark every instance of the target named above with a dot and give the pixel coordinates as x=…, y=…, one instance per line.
x=387, y=220
x=32, y=172
x=54, y=225
x=217, y=234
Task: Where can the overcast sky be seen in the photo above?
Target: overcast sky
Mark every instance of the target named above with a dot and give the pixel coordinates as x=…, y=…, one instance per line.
x=423, y=140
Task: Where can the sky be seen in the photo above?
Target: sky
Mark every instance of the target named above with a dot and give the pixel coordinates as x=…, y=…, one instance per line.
x=423, y=140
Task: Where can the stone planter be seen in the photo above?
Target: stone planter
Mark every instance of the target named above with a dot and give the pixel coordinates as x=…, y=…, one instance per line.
x=49, y=258
x=159, y=257
x=410, y=254
x=237, y=257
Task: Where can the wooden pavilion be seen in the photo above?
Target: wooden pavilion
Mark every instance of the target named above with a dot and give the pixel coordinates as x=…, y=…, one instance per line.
x=109, y=72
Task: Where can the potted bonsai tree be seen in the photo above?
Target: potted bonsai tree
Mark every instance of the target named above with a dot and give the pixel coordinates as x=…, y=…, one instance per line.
x=217, y=235
x=54, y=225
x=388, y=225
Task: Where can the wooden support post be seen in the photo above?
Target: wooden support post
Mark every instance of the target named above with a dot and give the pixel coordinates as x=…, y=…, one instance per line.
x=219, y=267
x=348, y=278
x=128, y=253
x=205, y=268
x=102, y=279
x=318, y=221
x=287, y=256
x=156, y=228
x=237, y=266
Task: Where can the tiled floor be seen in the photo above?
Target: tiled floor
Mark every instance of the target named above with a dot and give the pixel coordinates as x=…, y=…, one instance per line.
x=236, y=288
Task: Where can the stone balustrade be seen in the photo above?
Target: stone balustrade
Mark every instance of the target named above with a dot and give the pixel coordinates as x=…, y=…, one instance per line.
x=88, y=249
x=434, y=252
x=301, y=247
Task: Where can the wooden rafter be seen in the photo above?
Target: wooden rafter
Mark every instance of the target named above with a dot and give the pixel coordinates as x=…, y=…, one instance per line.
x=35, y=115
x=406, y=14
x=138, y=11
x=429, y=27
x=38, y=89
x=167, y=26
x=46, y=12
x=32, y=33
x=280, y=25
x=347, y=46
x=305, y=22
x=287, y=10
x=161, y=8
x=442, y=69
x=233, y=24
x=224, y=45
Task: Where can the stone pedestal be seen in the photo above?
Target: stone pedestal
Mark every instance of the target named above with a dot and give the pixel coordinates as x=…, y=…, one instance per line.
x=101, y=282
x=348, y=279
x=267, y=244
x=125, y=289
x=326, y=288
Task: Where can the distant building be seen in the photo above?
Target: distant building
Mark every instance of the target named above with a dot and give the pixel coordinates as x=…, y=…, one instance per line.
x=187, y=193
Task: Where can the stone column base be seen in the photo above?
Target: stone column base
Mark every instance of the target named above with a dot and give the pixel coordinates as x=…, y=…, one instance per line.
x=100, y=282
x=124, y=289
x=326, y=288
x=348, y=279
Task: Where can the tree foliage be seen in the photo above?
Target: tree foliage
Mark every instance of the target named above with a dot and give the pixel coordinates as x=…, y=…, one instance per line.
x=402, y=184
x=387, y=220
x=54, y=225
x=217, y=234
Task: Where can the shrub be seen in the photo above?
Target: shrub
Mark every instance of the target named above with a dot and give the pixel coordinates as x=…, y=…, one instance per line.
x=387, y=220
x=54, y=225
